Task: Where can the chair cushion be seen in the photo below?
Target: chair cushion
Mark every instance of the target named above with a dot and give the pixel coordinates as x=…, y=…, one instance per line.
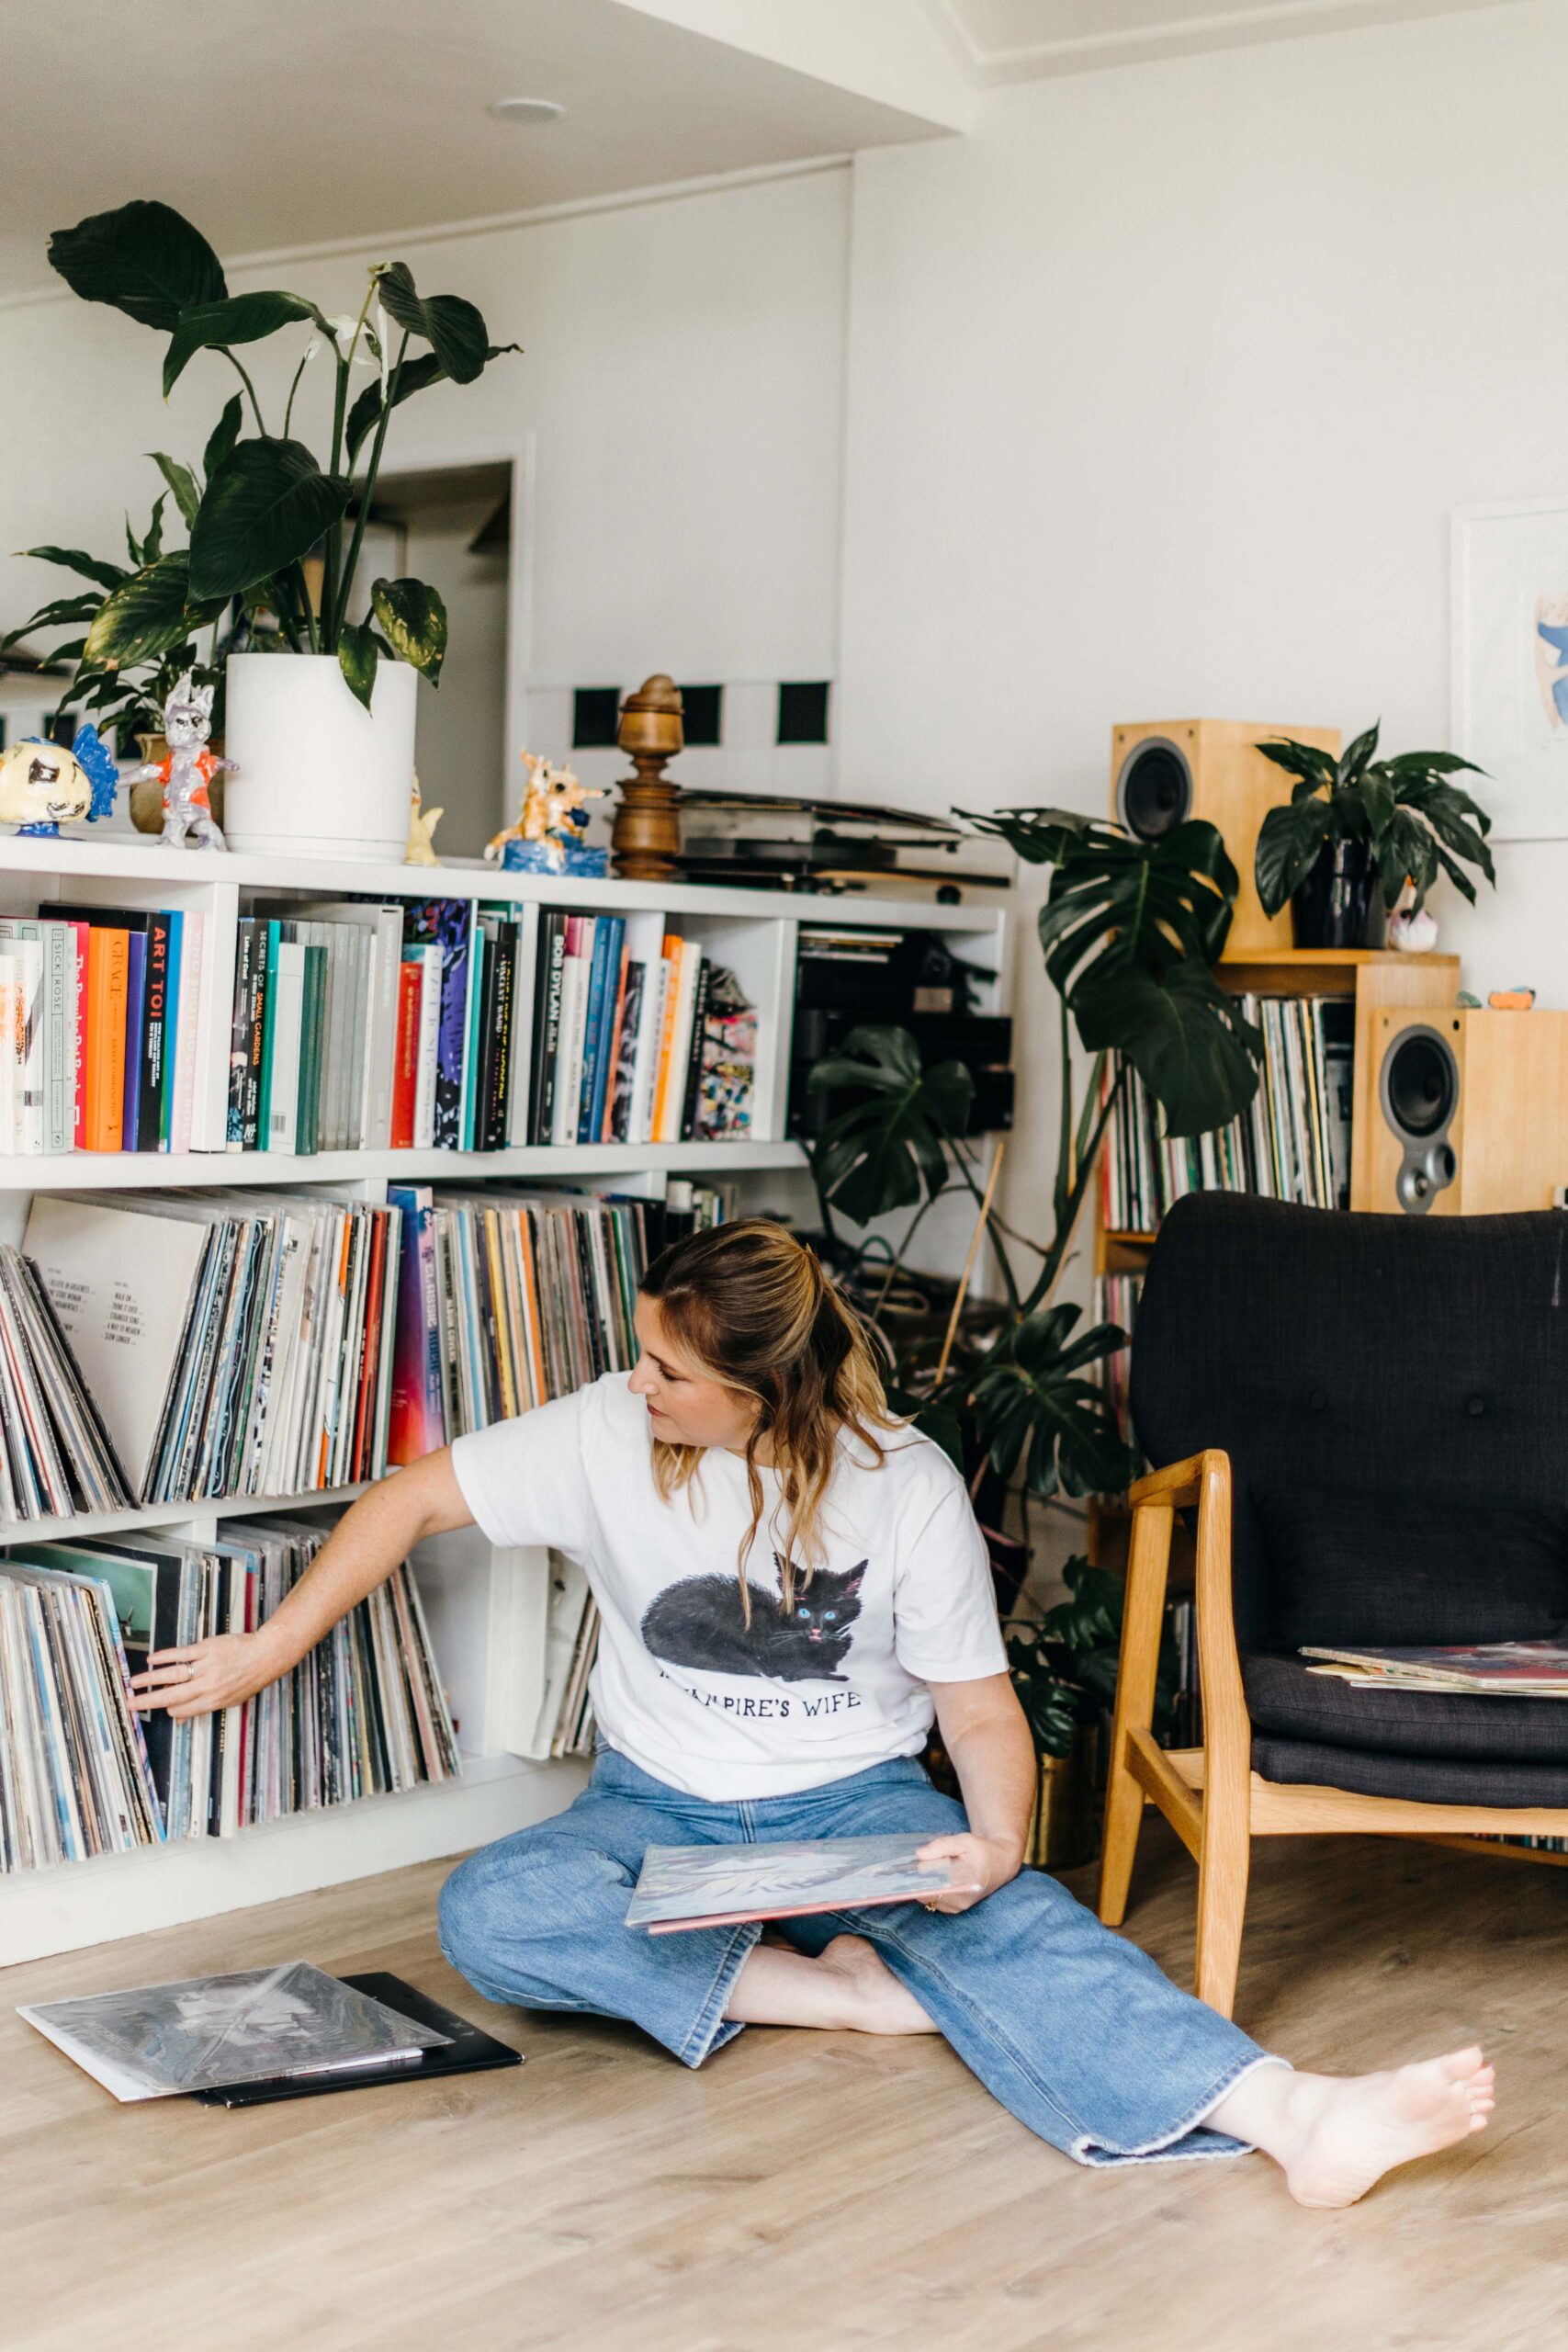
x=1285, y=1700
x=1426, y=1779
x=1410, y=1565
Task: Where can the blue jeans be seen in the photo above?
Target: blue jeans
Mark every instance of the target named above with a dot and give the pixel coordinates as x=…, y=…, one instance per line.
x=1078, y=2033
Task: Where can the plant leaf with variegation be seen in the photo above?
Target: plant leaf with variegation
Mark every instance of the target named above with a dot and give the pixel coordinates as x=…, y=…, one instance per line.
x=150, y=613
x=414, y=619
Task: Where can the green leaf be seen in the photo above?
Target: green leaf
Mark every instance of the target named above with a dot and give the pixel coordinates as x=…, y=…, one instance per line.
x=182, y=481
x=265, y=506
x=1185, y=1035
x=238, y=318
x=1315, y=768
x=145, y=259
x=356, y=658
x=149, y=615
x=67, y=608
x=453, y=328
x=153, y=545
x=1358, y=755
x=366, y=414
x=415, y=621
x=224, y=434
x=886, y=1148
x=1377, y=799
x=1407, y=851
x=107, y=575
x=1290, y=843
x=1033, y=1413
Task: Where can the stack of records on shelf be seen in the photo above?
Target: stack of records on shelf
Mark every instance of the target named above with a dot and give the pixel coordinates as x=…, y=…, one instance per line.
x=55, y=1454
x=507, y=1299
x=571, y=1646
x=76, y=1778
x=235, y=1344
x=108, y=1019
x=81, y=1774
x=1292, y=1142
x=638, y=1036
x=365, y=1027
x=1116, y=1300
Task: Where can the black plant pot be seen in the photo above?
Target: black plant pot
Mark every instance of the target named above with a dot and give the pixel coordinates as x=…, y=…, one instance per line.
x=1333, y=906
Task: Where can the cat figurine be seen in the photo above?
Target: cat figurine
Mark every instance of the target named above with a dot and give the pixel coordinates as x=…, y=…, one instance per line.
x=697, y=1623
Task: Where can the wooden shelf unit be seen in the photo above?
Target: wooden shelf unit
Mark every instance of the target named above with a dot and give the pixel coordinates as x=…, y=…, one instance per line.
x=486, y=1608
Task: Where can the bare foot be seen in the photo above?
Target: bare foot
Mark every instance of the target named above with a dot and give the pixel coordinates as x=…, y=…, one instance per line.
x=878, y=2003
x=1336, y=2135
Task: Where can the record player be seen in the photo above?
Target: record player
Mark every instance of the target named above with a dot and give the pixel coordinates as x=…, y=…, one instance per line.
x=836, y=848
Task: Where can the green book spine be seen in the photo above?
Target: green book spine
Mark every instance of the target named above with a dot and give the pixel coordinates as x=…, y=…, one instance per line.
x=311, y=1030
x=264, y=1108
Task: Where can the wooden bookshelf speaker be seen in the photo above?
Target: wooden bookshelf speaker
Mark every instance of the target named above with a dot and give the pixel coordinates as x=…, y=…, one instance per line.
x=1166, y=771
x=1465, y=1111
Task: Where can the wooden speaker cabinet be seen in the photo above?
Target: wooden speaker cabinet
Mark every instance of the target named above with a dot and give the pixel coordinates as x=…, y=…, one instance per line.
x=1461, y=1112
x=1167, y=770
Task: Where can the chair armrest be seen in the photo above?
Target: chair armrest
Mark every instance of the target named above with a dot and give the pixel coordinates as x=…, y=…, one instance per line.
x=1175, y=1486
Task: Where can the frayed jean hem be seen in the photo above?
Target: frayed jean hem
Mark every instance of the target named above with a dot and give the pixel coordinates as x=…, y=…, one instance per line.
x=1170, y=2147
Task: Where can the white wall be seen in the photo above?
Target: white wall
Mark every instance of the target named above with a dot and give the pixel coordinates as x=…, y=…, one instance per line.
x=680, y=393
x=1162, y=385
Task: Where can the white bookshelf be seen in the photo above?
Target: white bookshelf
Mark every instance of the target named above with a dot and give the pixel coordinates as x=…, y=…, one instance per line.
x=487, y=1609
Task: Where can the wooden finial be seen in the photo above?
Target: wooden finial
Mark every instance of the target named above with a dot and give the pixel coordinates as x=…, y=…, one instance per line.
x=646, y=838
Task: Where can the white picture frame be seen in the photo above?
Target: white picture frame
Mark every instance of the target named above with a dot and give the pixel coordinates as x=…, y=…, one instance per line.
x=1508, y=682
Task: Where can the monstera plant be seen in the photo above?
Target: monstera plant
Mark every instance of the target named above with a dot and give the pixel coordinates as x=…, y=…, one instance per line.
x=275, y=531
x=1130, y=930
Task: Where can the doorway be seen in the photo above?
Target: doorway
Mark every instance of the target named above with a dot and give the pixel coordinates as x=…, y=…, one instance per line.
x=451, y=526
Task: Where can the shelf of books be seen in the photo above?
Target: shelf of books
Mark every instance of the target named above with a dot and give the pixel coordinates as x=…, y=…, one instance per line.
x=306, y=1169
x=1296, y=1142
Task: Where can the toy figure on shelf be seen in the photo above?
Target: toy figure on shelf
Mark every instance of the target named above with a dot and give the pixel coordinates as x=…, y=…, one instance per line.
x=43, y=785
x=190, y=768
x=546, y=838
x=423, y=822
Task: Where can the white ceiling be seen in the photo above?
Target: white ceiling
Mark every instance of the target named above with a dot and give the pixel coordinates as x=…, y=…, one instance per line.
x=1021, y=41
x=277, y=124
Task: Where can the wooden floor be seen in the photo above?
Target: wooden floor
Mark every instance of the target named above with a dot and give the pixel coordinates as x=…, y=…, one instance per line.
x=824, y=2191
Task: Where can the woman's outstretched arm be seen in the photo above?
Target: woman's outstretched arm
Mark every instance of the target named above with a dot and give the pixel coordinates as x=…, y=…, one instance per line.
x=984, y=1735
x=363, y=1549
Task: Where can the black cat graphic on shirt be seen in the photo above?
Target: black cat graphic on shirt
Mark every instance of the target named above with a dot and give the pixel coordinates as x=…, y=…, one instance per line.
x=698, y=1622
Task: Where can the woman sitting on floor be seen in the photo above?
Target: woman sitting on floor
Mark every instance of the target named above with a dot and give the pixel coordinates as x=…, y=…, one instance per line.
x=791, y=1585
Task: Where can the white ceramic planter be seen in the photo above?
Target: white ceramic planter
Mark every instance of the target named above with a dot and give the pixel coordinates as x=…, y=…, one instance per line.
x=316, y=774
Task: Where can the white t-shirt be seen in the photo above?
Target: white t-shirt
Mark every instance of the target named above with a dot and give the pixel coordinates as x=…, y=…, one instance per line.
x=682, y=1686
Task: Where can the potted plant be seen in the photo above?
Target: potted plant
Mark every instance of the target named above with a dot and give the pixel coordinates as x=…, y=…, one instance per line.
x=1063, y=1670
x=1355, y=823
x=323, y=739
x=128, y=698
x=1130, y=930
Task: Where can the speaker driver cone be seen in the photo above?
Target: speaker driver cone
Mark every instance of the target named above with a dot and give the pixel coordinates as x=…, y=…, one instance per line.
x=1154, y=790
x=1419, y=1087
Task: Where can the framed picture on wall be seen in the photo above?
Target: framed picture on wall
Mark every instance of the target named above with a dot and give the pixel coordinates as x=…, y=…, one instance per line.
x=1509, y=682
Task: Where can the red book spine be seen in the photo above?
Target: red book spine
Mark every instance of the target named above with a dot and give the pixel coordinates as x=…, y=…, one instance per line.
x=81, y=933
x=405, y=1069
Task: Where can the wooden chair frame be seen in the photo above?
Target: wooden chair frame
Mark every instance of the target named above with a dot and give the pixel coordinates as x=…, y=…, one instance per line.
x=1214, y=1800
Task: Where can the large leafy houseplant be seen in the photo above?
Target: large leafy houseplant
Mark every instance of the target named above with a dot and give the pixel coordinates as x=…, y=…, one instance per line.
x=1406, y=817
x=1130, y=930
x=261, y=504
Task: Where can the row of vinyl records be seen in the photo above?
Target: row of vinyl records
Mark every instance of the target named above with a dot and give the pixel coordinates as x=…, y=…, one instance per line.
x=353, y=1025
x=81, y=1773
x=1292, y=1143
x=189, y=1347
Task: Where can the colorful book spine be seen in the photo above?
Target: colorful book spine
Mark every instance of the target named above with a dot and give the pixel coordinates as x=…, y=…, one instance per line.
x=405, y=1080
x=107, y=968
x=154, y=1032
x=135, y=1019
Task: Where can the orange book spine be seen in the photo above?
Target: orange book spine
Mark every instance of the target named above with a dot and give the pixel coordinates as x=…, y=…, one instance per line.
x=666, y=1032
x=109, y=958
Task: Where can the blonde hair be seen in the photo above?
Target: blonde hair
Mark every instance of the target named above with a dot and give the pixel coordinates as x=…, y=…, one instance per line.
x=751, y=1307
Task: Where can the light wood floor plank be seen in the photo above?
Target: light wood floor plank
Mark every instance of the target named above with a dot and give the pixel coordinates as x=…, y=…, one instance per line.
x=850, y=2194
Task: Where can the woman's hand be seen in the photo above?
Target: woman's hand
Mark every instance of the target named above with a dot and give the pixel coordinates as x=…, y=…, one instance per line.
x=201, y=1677
x=992, y=1861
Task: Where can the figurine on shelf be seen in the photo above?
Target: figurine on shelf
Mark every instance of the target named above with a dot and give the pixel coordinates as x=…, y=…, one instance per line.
x=190, y=768
x=546, y=838
x=1410, y=927
x=423, y=822
x=43, y=785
